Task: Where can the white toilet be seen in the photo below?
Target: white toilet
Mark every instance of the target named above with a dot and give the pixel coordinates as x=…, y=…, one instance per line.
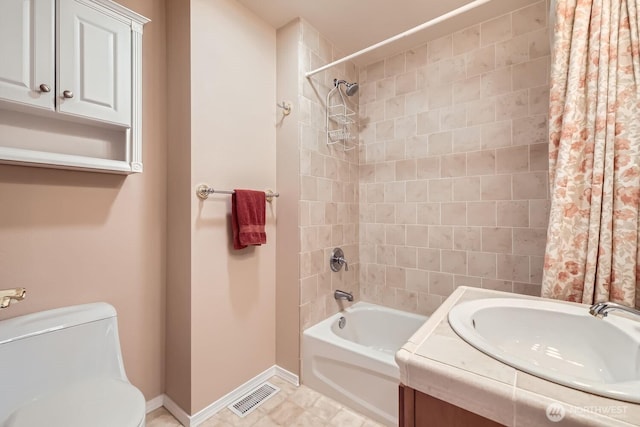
x=63, y=368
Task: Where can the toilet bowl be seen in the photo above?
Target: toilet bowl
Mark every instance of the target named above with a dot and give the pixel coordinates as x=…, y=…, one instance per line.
x=64, y=367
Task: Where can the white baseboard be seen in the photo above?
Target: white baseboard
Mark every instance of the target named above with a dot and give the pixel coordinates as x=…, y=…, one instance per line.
x=289, y=377
x=155, y=403
x=198, y=418
x=178, y=413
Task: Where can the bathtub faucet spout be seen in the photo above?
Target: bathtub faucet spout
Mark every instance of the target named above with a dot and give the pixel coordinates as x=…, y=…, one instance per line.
x=338, y=294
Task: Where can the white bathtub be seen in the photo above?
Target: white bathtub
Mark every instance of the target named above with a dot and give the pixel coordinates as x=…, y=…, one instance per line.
x=355, y=365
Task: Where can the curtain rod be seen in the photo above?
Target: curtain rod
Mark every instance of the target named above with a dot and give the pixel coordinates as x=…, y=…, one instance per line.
x=407, y=33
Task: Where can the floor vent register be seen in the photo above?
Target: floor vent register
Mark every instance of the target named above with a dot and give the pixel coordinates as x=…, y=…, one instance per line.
x=251, y=401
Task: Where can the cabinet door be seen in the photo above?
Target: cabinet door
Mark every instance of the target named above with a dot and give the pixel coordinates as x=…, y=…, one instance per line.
x=94, y=64
x=27, y=52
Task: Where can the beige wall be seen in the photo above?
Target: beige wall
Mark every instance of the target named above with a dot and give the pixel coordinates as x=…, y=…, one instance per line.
x=287, y=173
x=78, y=237
x=453, y=175
x=179, y=194
x=221, y=302
x=233, y=117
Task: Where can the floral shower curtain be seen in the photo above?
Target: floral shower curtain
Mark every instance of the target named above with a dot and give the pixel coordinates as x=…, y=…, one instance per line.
x=593, y=253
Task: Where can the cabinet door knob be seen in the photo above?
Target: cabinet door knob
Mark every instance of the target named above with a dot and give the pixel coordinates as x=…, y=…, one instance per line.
x=45, y=88
x=67, y=94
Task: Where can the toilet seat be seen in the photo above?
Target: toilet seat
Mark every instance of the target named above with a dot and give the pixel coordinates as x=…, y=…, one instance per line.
x=99, y=402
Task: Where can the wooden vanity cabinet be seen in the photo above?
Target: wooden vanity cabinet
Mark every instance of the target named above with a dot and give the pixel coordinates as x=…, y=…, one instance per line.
x=421, y=410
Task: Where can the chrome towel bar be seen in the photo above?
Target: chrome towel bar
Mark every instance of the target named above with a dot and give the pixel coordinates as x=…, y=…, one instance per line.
x=203, y=191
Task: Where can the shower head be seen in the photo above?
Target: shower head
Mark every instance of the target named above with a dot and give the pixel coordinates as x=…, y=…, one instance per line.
x=352, y=88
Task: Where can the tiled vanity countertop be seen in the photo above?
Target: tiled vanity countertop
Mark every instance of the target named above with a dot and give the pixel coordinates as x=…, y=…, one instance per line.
x=437, y=362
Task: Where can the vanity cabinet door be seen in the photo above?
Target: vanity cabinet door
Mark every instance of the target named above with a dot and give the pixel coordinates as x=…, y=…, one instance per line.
x=94, y=63
x=27, y=52
x=417, y=409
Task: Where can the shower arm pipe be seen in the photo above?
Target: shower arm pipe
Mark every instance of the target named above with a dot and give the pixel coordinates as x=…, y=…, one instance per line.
x=434, y=21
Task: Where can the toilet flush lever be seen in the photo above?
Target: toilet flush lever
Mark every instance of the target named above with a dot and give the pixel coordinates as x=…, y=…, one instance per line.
x=8, y=295
x=337, y=260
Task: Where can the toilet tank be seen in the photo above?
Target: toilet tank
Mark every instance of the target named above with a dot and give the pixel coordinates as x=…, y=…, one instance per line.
x=46, y=351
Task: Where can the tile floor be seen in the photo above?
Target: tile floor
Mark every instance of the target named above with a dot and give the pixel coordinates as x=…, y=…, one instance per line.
x=292, y=406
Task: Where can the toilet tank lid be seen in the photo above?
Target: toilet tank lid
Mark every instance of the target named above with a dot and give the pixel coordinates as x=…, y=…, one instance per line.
x=42, y=322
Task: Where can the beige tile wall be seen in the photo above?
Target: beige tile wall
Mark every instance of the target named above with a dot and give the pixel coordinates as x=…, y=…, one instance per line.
x=453, y=164
x=328, y=203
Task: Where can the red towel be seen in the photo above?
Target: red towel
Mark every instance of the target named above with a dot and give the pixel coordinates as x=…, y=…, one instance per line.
x=248, y=218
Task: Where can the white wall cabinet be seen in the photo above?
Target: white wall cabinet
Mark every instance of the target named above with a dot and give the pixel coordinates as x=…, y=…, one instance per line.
x=94, y=64
x=74, y=68
x=27, y=69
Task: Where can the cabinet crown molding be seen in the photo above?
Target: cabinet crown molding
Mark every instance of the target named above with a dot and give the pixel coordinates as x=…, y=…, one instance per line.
x=118, y=9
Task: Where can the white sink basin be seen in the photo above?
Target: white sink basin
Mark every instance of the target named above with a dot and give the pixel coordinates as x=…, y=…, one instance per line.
x=559, y=342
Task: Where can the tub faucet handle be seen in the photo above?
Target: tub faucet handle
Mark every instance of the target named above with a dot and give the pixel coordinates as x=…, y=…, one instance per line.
x=341, y=260
x=8, y=295
x=337, y=260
